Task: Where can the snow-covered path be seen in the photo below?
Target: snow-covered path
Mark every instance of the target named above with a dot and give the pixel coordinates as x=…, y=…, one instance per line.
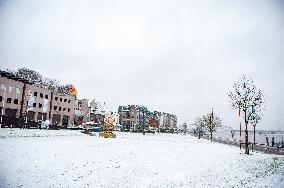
x=132, y=160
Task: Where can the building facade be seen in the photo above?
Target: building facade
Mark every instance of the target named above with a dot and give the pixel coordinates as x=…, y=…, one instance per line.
x=62, y=109
x=81, y=111
x=11, y=93
x=19, y=98
x=138, y=118
x=36, y=103
x=167, y=121
x=134, y=118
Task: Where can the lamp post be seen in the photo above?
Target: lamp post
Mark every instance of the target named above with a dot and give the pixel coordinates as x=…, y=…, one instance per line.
x=2, y=111
x=255, y=103
x=143, y=121
x=282, y=139
x=143, y=112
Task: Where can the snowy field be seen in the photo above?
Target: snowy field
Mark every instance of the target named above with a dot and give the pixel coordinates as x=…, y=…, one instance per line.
x=65, y=158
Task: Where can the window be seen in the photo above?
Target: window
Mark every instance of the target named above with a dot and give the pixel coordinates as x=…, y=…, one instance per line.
x=64, y=109
x=1, y=98
x=41, y=116
x=31, y=115
x=68, y=109
x=59, y=108
x=41, y=95
x=60, y=99
x=39, y=105
x=69, y=101
x=35, y=94
x=56, y=98
x=55, y=107
x=3, y=87
x=18, y=91
x=9, y=100
x=34, y=105
x=11, y=112
x=46, y=96
x=16, y=101
x=11, y=88
x=65, y=100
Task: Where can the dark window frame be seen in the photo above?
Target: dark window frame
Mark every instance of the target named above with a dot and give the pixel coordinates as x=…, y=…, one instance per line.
x=9, y=100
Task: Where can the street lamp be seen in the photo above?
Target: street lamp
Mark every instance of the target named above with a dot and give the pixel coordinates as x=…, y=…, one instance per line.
x=282, y=139
x=254, y=118
x=2, y=111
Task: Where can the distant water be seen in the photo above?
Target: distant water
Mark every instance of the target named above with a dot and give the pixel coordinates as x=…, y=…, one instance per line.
x=260, y=137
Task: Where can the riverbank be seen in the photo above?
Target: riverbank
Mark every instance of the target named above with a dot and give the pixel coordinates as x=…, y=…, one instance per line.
x=257, y=147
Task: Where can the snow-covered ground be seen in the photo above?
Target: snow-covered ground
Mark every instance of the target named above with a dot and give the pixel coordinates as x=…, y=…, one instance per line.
x=8, y=133
x=130, y=160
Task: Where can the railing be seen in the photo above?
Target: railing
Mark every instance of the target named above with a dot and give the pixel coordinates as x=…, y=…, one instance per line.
x=253, y=147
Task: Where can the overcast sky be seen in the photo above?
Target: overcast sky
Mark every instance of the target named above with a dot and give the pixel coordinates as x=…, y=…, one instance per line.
x=177, y=56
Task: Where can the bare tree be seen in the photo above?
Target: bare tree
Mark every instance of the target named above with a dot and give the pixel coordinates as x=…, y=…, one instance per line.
x=249, y=101
x=38, y=80
x=184, y=125
x=51, y=84
x=211, y=122
x=30, y=75
x=199, y=126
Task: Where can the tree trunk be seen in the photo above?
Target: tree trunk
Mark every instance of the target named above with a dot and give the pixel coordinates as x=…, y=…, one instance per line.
x=211, y=134
x=254, y=135
x=246, y=135
x=246, y=140
x=199, y=135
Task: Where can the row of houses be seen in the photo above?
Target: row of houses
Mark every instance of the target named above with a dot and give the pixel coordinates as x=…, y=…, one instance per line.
x=20, y=98
x=135, y=118
x=138, y=118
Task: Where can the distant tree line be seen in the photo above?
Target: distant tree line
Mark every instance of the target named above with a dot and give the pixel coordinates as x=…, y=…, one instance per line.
x=37, y=79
